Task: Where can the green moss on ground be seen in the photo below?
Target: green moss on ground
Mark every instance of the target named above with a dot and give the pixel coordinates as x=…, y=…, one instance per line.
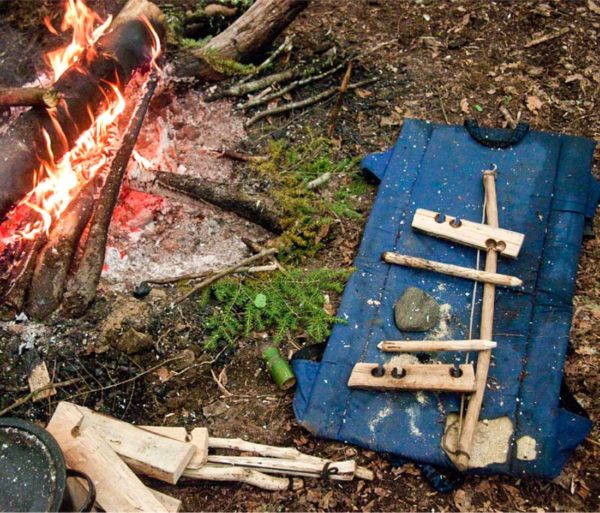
x=308, y=214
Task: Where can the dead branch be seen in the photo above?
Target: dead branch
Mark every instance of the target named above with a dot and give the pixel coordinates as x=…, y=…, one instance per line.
x=335, y=112
x=260, y=209
x=31, y=395
x=306, y=102
x=199, y=276
x=225, y=272
x=243, y=89
x=234, y=155
x=29, y=97
x=286, y=46
x=247, y=36
x=290, y=87
x=82, y=289
x=54, y=260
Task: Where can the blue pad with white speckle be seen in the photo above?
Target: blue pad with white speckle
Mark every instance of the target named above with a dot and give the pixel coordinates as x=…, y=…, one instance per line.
x=546, y=191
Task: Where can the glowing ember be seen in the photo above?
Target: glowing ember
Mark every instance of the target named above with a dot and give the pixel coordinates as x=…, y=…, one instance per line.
x=62, y=179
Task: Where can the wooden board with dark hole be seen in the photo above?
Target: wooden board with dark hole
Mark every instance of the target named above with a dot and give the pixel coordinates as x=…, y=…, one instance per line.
x=471, y=234
x=413, y=377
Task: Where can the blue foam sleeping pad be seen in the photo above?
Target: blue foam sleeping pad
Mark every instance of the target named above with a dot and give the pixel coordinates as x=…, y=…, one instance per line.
x=546, y=191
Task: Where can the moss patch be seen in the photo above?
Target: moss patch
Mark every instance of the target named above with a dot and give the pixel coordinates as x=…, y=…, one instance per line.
x=309, y=214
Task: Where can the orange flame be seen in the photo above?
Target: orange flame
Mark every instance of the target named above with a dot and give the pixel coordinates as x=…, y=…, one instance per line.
x=82, y=21
x=63, y=178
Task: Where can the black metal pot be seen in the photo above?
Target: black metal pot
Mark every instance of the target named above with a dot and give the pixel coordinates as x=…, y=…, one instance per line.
x=33, y=474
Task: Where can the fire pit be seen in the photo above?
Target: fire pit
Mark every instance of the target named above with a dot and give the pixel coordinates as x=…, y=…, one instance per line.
x=64, y=166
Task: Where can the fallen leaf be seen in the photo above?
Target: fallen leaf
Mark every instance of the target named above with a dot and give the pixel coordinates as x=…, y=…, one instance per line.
x=534, y=104
x=593, y=6
x=163, y=374
x=386, y=121
x=462, y=501
x=464, y=105
x=573, y=78
x=363, y=93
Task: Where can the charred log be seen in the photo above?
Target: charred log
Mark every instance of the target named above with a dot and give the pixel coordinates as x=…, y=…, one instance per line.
x=248, y=35
x=258, y=208
x=117, y=54
x=82, y=288
x=54, y=260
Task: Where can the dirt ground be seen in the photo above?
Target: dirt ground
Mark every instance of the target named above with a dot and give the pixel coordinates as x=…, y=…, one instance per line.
x=436, y=60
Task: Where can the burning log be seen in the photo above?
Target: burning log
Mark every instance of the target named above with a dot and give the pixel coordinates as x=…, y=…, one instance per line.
x=129, y=45
x=29, y=96
x=257, y=208
x=248, y=35
x=82, y=288
x=50, y=275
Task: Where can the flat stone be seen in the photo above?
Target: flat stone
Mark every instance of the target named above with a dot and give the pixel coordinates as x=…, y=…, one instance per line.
x=416, y=311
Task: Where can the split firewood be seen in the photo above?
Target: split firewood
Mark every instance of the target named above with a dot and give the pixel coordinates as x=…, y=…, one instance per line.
x=82, y=289
x=146, y=452
x=117, y=487
x=29, y=97
x=77, y=491
x=49, y=279
x=247, y=36
x=117, y=54
x=306, y=102
x=211, y=472
x=198, y=437
x=258, y=208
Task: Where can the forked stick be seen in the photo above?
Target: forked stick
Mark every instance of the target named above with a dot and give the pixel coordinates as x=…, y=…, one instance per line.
x=465, y=442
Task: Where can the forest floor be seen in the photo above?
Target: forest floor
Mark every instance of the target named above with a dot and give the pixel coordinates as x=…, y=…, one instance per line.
x=440, y=61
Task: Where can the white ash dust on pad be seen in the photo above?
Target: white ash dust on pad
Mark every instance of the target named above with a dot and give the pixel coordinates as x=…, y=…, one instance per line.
x=157, y=234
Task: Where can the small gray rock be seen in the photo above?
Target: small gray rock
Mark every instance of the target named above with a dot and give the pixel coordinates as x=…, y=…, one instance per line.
x=416, y=311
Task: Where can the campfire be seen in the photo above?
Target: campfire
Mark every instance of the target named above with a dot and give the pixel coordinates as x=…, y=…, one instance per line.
x=63, y=166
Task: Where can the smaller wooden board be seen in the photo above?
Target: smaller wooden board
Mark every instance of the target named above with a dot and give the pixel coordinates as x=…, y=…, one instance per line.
x=145, y=452
x=476, y=235
x=416, y=377
x=198, y=437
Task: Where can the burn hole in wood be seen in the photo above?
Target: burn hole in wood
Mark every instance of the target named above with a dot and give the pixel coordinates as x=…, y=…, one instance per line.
x=378, y=372
x=398, y=373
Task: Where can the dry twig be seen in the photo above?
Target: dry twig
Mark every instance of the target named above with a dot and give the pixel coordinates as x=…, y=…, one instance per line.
x=225, y=272
x=306, y=102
